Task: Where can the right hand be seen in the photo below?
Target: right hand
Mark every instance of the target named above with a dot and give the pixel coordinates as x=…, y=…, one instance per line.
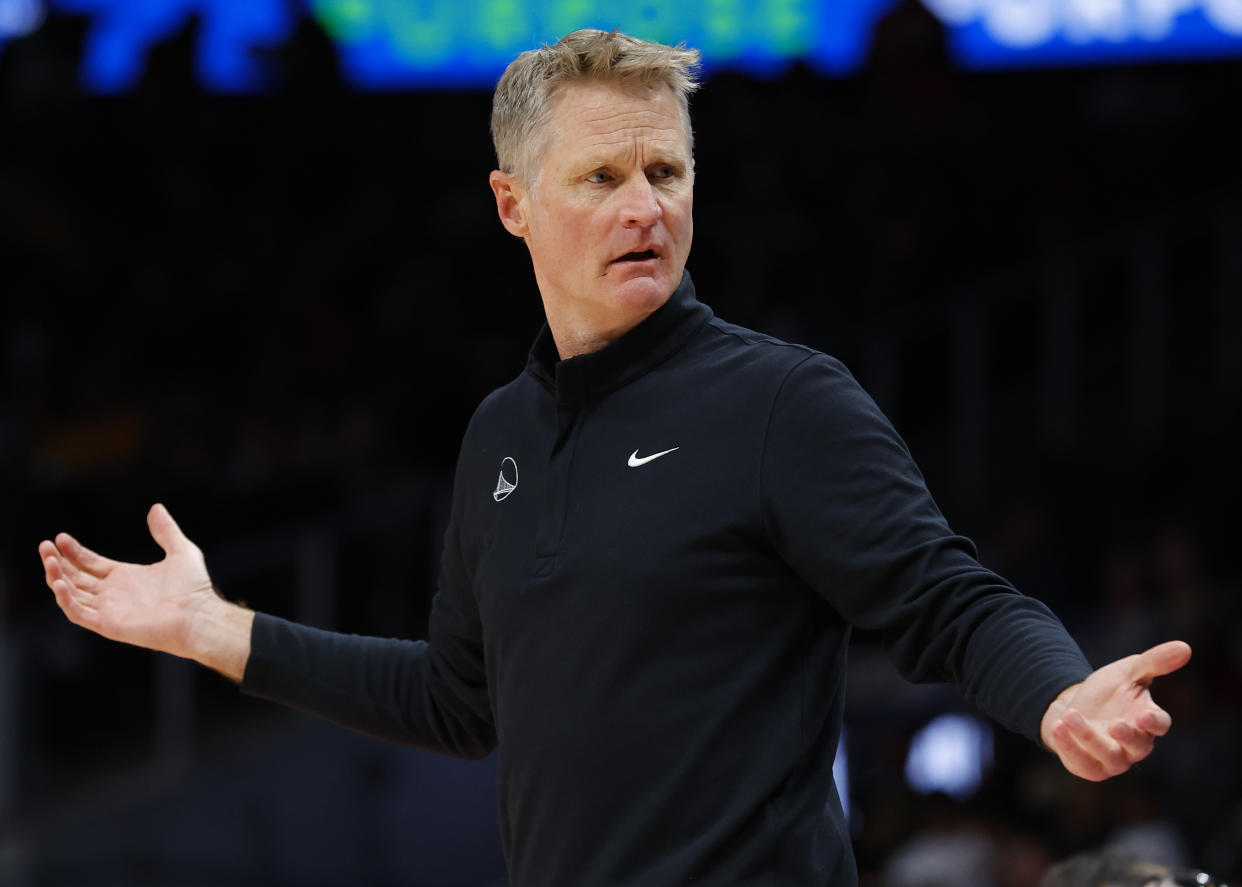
x=149, y=605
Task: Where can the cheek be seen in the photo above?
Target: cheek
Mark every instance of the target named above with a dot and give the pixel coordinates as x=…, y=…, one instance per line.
x=567, y=243
x=568, y=223
x=548, y=234
x=682, y=221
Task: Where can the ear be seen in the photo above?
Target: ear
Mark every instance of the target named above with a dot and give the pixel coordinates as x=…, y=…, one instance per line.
x=510, y=202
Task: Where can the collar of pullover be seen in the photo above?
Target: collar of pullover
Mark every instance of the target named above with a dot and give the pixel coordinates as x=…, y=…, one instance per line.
x=581, y=379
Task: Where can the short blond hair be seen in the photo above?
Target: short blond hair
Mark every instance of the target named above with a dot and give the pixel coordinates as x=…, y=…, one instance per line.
x=522, y=104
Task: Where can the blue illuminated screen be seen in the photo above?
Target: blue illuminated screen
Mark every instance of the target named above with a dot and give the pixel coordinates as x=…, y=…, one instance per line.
x=398, y=44
x=951, y=754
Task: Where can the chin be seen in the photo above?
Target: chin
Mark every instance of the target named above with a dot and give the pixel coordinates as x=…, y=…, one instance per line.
x=643, y=294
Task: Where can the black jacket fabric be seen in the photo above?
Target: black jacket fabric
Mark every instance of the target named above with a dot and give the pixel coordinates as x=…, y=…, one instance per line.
x=655, y=556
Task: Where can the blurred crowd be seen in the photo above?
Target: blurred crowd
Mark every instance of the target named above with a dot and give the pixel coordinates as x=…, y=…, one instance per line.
x=260, y=309
x=1181, y=808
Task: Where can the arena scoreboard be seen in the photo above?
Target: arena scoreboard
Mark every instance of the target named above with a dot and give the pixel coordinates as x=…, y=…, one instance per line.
x=464, y=44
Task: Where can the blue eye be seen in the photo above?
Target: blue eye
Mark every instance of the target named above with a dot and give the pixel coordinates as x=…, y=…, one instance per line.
x=599, y=177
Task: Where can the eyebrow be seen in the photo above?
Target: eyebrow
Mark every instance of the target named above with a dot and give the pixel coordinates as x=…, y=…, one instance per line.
x=600, y=161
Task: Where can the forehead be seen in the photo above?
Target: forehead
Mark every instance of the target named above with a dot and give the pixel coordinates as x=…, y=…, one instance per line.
x=595, y=117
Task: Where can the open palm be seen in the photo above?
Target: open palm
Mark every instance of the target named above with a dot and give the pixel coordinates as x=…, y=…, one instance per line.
x=148, y=605
x=1109, y=722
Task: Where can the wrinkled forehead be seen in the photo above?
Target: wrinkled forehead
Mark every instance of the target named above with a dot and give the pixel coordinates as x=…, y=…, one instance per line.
x=589, y=111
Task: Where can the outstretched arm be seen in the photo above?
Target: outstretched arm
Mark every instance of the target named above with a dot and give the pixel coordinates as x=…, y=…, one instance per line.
x=169, y=606
x=1101, y=727
x=405, y=691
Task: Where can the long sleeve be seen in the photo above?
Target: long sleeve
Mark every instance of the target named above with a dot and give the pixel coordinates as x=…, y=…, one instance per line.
x=431, y=694
x=850, y=512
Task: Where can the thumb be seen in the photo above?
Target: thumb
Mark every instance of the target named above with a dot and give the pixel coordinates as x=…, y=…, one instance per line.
x=1161, y=659
x=164, y=529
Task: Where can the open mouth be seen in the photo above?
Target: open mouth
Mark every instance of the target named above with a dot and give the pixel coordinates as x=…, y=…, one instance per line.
x=637, y=256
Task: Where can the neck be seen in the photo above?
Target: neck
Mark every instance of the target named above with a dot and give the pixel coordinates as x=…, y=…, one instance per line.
x=581, y=324
x=575, y=336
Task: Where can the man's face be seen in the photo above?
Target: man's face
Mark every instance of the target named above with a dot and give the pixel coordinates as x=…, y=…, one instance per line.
x=608, y=221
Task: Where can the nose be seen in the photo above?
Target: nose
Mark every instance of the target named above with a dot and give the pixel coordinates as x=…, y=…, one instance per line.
x=640, y=209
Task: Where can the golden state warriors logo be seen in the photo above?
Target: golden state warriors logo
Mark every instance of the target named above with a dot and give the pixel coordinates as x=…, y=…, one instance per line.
x=505, y=486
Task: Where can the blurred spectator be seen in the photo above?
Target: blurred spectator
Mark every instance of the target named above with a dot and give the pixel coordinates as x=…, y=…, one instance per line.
x=952, y=848
x=1104, y=869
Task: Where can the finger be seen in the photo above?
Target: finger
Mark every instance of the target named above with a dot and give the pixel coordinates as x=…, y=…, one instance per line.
x=1155, y=721
x=48, y=555
x=164, y=529
x=1137, y=744
x=60, y=590
x=54, y=564
x=1108, y=752
x=78, y=610
x=1074, y=757
x=1160, y=660
x=53, y=569
x=81, y=556
x=56, y=567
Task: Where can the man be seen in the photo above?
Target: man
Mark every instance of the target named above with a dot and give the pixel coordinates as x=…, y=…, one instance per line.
x=661, y=534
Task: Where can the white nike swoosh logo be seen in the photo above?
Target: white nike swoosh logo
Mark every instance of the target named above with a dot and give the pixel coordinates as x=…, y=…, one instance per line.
x=635, y=461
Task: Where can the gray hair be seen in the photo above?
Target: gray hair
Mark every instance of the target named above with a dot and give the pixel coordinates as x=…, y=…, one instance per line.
x=522, y=104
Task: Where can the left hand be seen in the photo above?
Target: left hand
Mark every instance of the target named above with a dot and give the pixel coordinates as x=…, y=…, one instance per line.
x=1102, y=726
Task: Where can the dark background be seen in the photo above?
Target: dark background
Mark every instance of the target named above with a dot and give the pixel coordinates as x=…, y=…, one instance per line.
x=276, y=314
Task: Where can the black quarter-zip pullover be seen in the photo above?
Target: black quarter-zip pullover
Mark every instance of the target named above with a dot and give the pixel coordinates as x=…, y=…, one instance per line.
x=655, y=556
